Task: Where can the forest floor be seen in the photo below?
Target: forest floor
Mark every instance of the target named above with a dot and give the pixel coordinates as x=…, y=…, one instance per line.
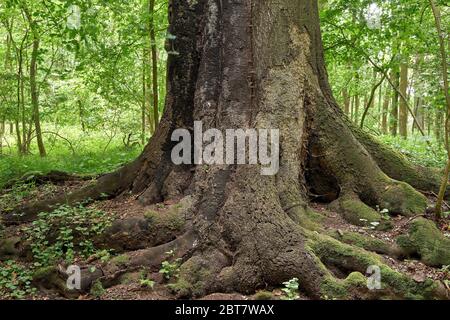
x=132, y=286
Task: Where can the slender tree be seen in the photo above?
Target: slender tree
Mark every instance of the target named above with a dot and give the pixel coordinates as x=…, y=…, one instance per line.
x=33, y=81
x=393, y=119
x=403, y=109
x=443, y=53
x=154, y=62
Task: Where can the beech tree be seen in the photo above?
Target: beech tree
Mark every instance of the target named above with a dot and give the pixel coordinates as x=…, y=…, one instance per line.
x=260, y=64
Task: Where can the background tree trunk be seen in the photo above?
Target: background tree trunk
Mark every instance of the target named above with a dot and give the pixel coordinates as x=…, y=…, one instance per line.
x=154, y=63
x=346, y=101
x=356, y=108
x=33, y=83
x=394, y=105
x=384, y=119
x=403, y=114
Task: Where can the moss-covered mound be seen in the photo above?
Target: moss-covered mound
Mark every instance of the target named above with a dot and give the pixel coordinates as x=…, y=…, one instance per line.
x=425, y=240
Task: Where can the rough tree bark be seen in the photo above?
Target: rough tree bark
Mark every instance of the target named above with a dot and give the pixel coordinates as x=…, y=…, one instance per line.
x=259, y=64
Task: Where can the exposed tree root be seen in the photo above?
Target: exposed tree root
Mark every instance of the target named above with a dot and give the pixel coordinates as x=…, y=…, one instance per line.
x=349, y=259
x=157, y=226
x=358, y=180
x=369, y=243
x=398, y=167
x=427, y=242
x=53, y=177
x=107, y=186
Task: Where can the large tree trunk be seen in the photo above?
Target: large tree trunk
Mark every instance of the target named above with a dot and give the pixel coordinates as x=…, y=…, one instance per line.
x=260, y=64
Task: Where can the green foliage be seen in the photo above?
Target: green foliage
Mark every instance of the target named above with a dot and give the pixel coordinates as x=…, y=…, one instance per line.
x=15, y=280
x=384, y=213
x=103, y=255
x=91, y=119
x=417, y=150
x=120, y=260
x=93, y=156
x=147, y=283
x=16, y=194
x=171, y=267
x=290, y=289
x=97, y=289
x=65, y=233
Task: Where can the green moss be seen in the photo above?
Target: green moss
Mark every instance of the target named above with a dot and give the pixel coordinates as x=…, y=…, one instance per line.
x=402, y=199
x=331, y=251
x=394, y=284
x=193, y=278
x=182, y=288
x=425, y=239
x=171, y=219
x=8, y=246
x=358, y=213
x=97, y=289
x=309, y=219
x=121, y=260
x=365, y=242
x=333, y=288
x=130, y=277
x=44, y=273
x=356, y=279
x=263, y=295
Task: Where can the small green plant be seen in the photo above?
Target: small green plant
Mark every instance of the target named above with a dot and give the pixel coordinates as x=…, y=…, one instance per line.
x=97, y=289
x=384, y=213
x=170, y=269
x=446, y=270
x=120, y=260
x=290, y=289
x=103, y=255
x=147, y=283
x=65, y=233
x=15, y=280
x=19, y=191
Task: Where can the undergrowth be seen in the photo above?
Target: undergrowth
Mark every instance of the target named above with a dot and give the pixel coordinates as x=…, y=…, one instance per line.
x=65, y=233
x=89, y=154
x=417, y=150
